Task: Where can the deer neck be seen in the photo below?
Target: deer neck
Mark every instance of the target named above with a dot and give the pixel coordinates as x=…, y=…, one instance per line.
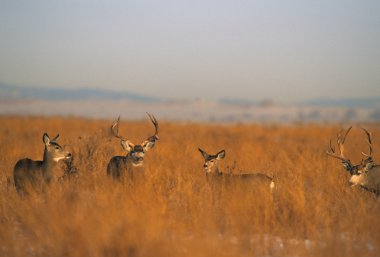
x=216, y=172
x=49, y=166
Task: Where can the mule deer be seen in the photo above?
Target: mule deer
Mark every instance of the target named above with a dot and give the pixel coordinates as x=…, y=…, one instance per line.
x=33, y=173
x=366, y=174
x=120, y=166
x=213, y=173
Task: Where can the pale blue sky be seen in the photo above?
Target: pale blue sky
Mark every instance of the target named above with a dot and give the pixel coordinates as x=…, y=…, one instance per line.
x=283, y=50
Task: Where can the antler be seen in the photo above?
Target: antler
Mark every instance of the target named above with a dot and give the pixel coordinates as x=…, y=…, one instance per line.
x=155, y=123
x=115, y=129
x=369, y=142
x=340, y=142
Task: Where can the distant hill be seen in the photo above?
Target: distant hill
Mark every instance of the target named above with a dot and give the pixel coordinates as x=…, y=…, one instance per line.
x=99, y=103
x=21, y=92
x=369, y=102
x=13, y=92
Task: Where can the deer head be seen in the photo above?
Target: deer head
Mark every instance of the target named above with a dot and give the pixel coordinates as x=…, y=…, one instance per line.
x=365, y=165
x=136, y=152
x=53, y=151
x=211, y=162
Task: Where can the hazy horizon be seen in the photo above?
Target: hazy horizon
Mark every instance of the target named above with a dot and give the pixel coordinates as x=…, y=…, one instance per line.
x=197, y=49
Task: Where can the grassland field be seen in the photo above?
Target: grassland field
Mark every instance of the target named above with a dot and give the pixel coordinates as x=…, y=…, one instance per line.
x=171, y=210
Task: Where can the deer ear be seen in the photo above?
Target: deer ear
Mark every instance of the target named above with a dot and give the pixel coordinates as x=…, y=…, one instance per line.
x=369, y=166
x=148, y=144
x=221, y=154
x=127, y=146
x=55, y=139
x=347, y=166
x=46, y=139
x=204, y=154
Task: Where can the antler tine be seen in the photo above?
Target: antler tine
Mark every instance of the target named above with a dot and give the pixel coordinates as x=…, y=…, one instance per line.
x=341, y=140
x=369, y=142
x=345, y=135
x=155, y=123
x=115, y=129
x=336, y=156
x=332, y=149
x=332, y=153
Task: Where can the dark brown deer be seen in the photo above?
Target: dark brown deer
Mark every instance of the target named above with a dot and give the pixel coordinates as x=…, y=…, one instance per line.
x=37, y=173
x=121, y=166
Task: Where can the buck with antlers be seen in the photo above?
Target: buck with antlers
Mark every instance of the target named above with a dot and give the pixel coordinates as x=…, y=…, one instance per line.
x=120, y=166
x=213, y=173
x=365, y=174
x=37, y=173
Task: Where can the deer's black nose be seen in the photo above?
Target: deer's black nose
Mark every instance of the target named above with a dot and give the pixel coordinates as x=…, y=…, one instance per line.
x=69, y=155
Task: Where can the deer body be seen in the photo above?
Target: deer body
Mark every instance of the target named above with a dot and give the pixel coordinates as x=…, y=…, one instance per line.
x=36, y=173
x=125, y=166
x=120, y=166
x=365, y=174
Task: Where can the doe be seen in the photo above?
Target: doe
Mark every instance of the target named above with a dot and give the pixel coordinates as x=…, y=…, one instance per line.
x=34, y=173
x=213, y=173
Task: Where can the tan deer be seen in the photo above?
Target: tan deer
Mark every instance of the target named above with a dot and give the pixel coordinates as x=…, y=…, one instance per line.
x=213, y=173
x=366, y=174
x=37, y=173
x=121, y=166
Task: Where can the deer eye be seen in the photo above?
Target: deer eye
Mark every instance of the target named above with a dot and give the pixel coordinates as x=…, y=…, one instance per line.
x=57, y=147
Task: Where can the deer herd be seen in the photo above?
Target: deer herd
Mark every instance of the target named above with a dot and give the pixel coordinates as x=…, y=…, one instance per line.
x=26, y=172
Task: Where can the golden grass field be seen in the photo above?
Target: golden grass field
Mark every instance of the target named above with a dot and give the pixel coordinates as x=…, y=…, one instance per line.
x=171, y=210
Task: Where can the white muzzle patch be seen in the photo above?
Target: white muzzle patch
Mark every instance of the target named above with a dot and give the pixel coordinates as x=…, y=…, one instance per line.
x=57, y=159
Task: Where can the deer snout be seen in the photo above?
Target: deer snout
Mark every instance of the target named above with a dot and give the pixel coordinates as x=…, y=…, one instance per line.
x=69, y=156
x=138, y=157
x=206, y=167
x=356, y=180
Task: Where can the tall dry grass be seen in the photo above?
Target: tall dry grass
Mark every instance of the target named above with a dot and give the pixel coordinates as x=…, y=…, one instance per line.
x=171, y=210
